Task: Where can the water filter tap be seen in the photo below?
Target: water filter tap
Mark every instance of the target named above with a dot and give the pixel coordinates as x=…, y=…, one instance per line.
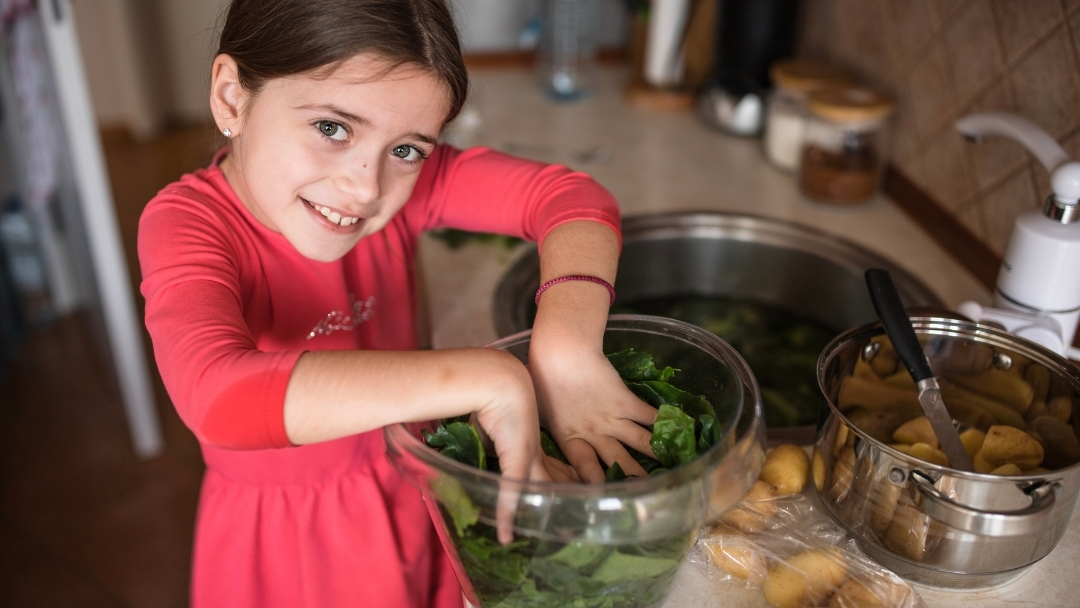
x=1040, y=272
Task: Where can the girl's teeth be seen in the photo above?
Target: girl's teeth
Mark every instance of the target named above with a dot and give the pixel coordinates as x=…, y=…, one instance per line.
x=335, y=217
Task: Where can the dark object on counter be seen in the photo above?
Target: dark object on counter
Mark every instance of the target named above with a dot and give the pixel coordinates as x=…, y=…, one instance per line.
x=842, y=158
x=898, y=327
x=750, y=36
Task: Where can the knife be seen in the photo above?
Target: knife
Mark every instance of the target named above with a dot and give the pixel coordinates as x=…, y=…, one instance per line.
x=902, y=335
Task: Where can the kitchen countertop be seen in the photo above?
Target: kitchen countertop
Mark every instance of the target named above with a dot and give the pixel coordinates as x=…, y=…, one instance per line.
x=654, y=162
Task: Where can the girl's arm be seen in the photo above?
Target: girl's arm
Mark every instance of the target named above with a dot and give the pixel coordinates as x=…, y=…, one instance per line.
x=582, y=399
x=334, y=394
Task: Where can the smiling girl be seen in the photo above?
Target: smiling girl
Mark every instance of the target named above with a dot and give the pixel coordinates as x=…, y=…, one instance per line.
x=281, y=302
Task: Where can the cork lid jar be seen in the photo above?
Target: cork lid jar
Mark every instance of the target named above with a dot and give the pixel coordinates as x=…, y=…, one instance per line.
x=843, y=152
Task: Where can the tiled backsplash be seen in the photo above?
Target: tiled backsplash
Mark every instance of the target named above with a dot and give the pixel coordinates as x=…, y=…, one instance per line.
x=943, y=59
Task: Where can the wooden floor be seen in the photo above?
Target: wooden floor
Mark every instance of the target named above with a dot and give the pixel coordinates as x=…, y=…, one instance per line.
x=83, y=523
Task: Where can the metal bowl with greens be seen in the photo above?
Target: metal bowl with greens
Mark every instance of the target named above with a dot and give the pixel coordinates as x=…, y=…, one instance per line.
x=617, y=544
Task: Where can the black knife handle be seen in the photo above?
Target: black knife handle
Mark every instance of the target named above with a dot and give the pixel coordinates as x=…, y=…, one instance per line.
x=897, y=324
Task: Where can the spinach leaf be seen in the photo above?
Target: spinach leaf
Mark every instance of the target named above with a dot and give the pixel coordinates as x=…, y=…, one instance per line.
x=460, y=441
x=614, y=473
x=547, y=443
x=673, y=441
x=638, y=367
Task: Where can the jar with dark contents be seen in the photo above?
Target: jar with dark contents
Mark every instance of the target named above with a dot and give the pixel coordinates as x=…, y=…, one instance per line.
x=843, y=152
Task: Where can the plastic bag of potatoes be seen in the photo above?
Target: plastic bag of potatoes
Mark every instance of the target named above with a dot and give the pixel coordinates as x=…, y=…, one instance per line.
x=777, y=543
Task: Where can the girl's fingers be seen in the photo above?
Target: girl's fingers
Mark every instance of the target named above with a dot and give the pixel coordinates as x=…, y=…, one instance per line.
x=637, y=410
x=634, y=435
x=560, y=471
x=584, y=460
x=611, y=451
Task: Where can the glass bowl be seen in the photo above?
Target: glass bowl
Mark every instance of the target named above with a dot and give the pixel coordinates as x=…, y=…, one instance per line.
x=623, y=541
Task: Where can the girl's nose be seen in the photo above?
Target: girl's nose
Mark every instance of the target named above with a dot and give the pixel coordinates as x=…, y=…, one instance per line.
x=360, y=178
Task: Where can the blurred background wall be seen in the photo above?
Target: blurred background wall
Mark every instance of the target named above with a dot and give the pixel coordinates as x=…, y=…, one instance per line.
x=943, y=59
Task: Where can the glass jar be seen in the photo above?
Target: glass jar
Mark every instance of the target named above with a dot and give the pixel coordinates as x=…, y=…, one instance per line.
x=843, y=151
x=786, y=116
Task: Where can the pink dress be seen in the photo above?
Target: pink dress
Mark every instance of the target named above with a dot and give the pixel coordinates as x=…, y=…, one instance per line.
x=231, y=306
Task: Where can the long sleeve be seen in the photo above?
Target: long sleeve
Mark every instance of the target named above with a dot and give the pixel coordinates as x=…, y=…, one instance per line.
x=228, y=391
x=487, y=191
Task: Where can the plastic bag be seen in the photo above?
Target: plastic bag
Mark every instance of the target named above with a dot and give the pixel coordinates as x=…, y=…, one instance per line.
x=796, y=556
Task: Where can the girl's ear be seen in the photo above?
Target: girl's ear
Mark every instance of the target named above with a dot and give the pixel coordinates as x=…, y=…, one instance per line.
x=227, y=96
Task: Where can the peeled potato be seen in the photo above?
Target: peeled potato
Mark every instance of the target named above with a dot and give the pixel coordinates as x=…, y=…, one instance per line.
x=1060, y=408
x=1007, y=469
x=924, y=451
x=843, y=474
x=817, y=465
x=735, y=554
x=916, y=430
x=1005, y=444
x=804, y=579
x=1062, y=447
x=786, y=469
x=972, y=440
x=756, y=510
x=855, y=594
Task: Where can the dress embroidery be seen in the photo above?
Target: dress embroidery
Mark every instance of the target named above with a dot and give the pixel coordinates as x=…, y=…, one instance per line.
x=346, y=321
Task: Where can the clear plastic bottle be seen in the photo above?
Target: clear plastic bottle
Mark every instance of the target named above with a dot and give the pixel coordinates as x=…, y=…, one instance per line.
x=843, y=152
x=567, y=49
x=787, y=115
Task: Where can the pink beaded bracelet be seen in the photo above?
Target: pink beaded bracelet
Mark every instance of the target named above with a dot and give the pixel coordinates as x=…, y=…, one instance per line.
x=575, y=277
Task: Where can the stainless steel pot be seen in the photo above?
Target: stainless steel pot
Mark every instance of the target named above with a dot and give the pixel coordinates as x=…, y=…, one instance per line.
x=930, y=523
x=806, y=272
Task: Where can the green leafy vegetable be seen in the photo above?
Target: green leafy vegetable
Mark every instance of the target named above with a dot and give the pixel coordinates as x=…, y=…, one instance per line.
x=530, y=573
x=460, y=441
x=673, y=439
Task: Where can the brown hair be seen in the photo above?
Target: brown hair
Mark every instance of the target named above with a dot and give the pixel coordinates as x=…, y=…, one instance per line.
x=276, y=38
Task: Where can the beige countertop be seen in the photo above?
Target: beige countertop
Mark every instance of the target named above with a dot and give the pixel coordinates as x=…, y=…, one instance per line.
x=656, y=162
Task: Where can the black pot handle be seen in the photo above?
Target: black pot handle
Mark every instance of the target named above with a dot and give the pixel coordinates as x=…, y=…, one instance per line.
x=897, y=323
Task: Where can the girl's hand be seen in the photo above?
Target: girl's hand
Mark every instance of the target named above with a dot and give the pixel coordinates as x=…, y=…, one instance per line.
x=589, y=411
x=509, y=419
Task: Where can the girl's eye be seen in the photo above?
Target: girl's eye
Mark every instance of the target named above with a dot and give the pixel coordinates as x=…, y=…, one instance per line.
x=408, y=153
x=333, y=130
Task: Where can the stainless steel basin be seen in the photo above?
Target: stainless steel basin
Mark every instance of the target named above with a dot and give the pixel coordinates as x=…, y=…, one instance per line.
x=802, y=271
x=805, y=271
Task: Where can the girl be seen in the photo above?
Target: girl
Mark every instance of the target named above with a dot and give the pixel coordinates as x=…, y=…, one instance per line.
x=280, y=299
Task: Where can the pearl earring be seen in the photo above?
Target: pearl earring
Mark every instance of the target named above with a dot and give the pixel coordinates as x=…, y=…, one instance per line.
x=227, y=132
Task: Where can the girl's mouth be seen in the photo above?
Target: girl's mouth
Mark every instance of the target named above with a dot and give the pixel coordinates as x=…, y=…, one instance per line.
x=333, y=216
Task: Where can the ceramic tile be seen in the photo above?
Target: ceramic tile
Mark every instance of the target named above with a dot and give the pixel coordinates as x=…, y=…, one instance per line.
x=994, y=157
x=971, y=217
x=1000, y=208
x=1045, y=85
x=861, y=43
x=973, y=51
x=912, y=26
x=1022, y=23
x=926, y=95
x=947, y=177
